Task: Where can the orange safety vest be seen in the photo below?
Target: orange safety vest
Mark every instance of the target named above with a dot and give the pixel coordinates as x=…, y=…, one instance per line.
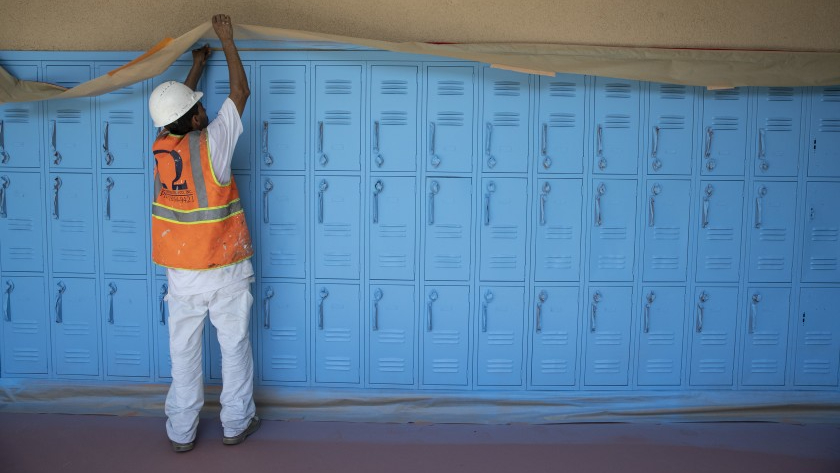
x=197, y=223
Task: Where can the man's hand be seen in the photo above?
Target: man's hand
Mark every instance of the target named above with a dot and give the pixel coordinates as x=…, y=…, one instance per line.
x=200, y=55
x=239, y=90
x=223, y=26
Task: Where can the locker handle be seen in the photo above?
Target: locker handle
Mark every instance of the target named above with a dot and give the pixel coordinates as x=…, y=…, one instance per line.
x=322, y=189
x=543, y=198
x=323, y=295
x=53, y=148
x=377, y=296
x=491, y=188
x=602, y=189
x=706, y=202
x=109, y=158
x=699, y=322
x=269, y=293
x=710, y=133
x=434, y=188
x=542, y=298
x=491, y=161
x=56, y=187
x=761, y=150
x=488, y=298
x=756, y=298
x=7, y=305
x=377, y=189
x=650, y=298
x=58, y=303
x=5, y=185
x=655, y=147
x=379, y=160
x=654, y=191
x=602, y=163
x=762, y=191
x=4, y=156
x=596, y=298
x=323, y=159
x=112, y=289
x=267, y=187
x=164, y=290
x=544, y=146
x=267, y=157
x=109, y=184
x=435, y=158
x=432, y=298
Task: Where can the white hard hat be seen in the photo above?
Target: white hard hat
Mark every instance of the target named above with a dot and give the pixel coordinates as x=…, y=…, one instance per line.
x=170, y=100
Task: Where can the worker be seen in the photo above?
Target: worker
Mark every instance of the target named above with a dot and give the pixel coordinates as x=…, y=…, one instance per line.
x=199, y=234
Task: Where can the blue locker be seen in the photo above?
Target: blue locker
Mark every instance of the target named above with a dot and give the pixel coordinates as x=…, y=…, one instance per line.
x=72, y=223
x=724, y=132
x=766, y=340
x=558, y=229
x=446, y=336
x=771, y=233
x=283, y=227
x=824, y=142
x=448, y=229
x=337, y=231
x=282, y=328
x=393, y=228
x=243, y=184
x=391, y=325
x=817, y=337
x=122, y=125
x=671, y=138
x=661, y=336
x=283, y=109
x=821, y=251
x=719, y=242
x=338, y=117
x=216, y=90
x=22, y=216
x=125, y=311
x=616, y=132
x=25, y=330
x=450, y=115
x=666, y=231
x=506, y=130
x=394, y=112
x=125, y=219
x=504, y=233
x=20, y=125
x=562, y=124
x=70, y=130
x=607, y=324
x=160, y=314
x=337, y=333
x=75, y=327
x=612, y=240
x=500, y=336
x=554, y=339
x=778, y=138
x=213, y=357
x=713, y=336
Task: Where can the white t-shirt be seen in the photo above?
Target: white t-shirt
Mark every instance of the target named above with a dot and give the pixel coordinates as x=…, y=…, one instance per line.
x=222, y=135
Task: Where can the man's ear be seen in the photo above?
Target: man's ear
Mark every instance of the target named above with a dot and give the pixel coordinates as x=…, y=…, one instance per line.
x=195, y=121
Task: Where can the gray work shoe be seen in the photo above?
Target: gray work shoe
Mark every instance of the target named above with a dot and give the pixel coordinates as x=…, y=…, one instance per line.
x=181, y=447
x=253, y=426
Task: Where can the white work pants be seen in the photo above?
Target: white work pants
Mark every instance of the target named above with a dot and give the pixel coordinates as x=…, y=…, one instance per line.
x=229, y=310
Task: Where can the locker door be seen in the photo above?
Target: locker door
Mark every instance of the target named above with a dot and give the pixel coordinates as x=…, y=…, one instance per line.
x=392, y=322
x=507, y=97
x=217, y=89
x=283, y=332
x=448, y=229
x=337, y=227
x=821, y=252
x=451, y=124
x=70, y=129
x=765, y=345
x=778, y=140
x=558, y=228
x=504, y=230
x=283, y=117
x=724, y=132
x=824, y=143
x=616, y=126
x=719, y=242
x=394, y=142
x=666, y=232
x=243, y=185
x=661, y=336
x=283, y=228
x=75, y=327
x=713, y=336
x=22, y=216
x=125, y=310
x=671, y=134
x=608, y=313
x=500, y=336
x=561, y=123
x=338, y=116
x=393, y=228
x=160, y=312
x=817, y=338
x=555, y=336
x=612, y=240
x=125, y=219
x=72, y=223
x=771, y=234
x=337, y=341
x=20, y=132
x=25, y=329
x=122, y=125
x=446, y=336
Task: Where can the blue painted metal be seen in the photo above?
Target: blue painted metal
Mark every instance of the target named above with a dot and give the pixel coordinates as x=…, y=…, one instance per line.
x=724, y=133
x=660, y=333
x=22, y=221
x=125, y=309
x=392, y=331
x=283, y=117
x=554, y=336
x=75, y=326
x=671, y=132
x=282, y=331
x=26, y=328
x=616, y=127
x=446, y=336
x=713, y=335
x=561, y=124
x=765, y=341
x=394, y=118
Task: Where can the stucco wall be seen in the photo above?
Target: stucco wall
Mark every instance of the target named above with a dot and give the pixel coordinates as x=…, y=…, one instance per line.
x=136, y=25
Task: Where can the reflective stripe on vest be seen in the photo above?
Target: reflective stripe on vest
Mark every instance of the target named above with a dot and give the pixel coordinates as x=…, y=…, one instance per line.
x=198, y=215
